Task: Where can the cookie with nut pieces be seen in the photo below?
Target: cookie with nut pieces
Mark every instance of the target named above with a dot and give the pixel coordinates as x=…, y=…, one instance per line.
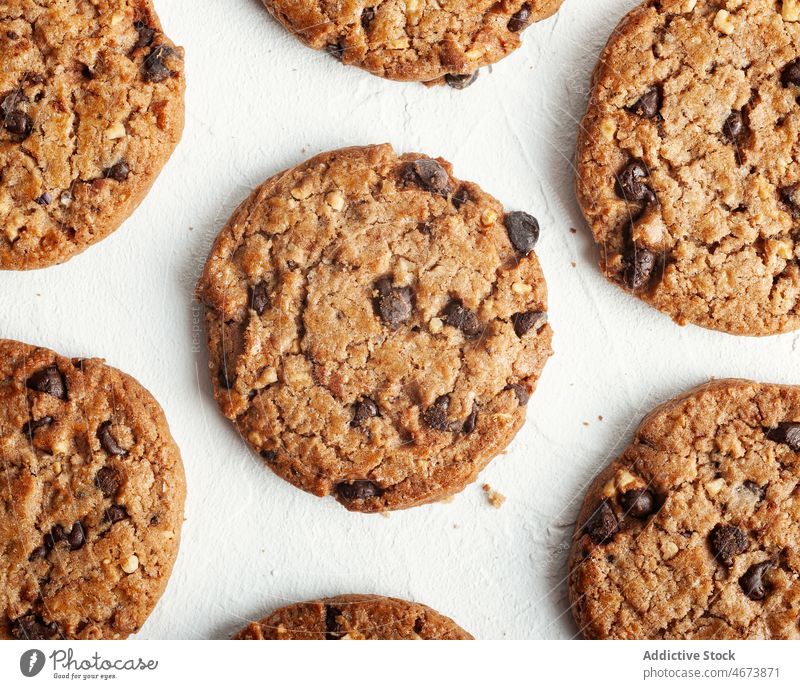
x=375, y=326
x=414, y=40
x=354, y=617
x=91, y=107
x=91, y=502
x=688, y=169
x=693, y=532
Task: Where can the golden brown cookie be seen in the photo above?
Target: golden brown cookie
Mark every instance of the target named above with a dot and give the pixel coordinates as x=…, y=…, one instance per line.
x=413, y=40
x=689, y=165
x=375, y=326
x=91, y=107
x=91, y=501
x=693, y=532
x=354, y=617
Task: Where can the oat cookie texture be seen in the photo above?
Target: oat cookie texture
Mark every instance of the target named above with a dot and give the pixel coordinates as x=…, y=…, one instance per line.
x=693, y=532
x=91, y=107
x=91, y=501
x=354, y=617
x=688, y=161
x=434, y=41
x=375, y=326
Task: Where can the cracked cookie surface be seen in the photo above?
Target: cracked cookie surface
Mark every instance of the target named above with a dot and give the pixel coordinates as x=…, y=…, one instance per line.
x=91, y=501
x=375, y=326
x=413, y=40
x=354, y=617
x=693, y=532
x=688, y=162
x=91, y=107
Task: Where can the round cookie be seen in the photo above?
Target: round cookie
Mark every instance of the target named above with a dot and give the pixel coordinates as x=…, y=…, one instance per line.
x=413, y=40
x=91, y=107
x=375, y=326
x=354, y=617
x=693, y=532
x=91, y=502
x=688, y=163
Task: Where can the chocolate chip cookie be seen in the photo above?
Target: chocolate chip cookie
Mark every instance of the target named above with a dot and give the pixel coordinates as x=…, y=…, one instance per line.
x=91, y=501
x=91, y=107
x=354, y=617
x=414, y=40
x=693, y=532
x=688, y=162
x=375, y=326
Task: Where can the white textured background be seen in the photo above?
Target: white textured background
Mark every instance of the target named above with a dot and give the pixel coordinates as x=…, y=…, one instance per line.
x=258, y=102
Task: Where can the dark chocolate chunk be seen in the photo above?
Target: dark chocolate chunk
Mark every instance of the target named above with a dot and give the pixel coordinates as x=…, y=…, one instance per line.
x=648, y=105
x=638, y=502
x=29, y=427
x=335, y=50
x=735, y=126
x=460, y=81
x=791, y=197
x=520, y=19
x=18, y=124
x=367, y=16
x=602, y=525
x=429, y=175
x=358, y=490
x=146, y=34
x=456, y=316
x=752, y=581
x=259, y=298
x=107, y=440
x=436, y=417
x=640, y=264
x=50, y=381
x=790, y=75
x=39, y=554
x=33, y=628
x=630, y=185
x=333, y=630
x=118, y=172
x=523, y=231
x=727, y=542
x=268, y=455
x=527, y=321
x=108, y=481
x=363, y=410
x=76, y=537
x=44, y=199
x=154, y=66
x=393, y=304
x=56, y=535
x=471, y=422
x=787, y=433
x=521, y=392
x=116, y=513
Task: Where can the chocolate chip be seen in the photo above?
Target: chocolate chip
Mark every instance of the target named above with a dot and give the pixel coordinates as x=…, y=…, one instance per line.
x=759, y=491
x=752, y=581
x=18, y=124
x=118, y=172
x=429, y=175
x=640, y=264
x=519, y=20
x=456, y=316
x=333, y=630
x=460, y=81
x=268, y=455
x=225, y=381
x=56, y=535
x=367, y=15
x=154, y=66
x=259, y=298
x=523, y=231
x=521, y=392
x=146, y=34
x=48, y=380
x=29, y=427
x=12, y=35
x=108, y=481
x=39, y=554
x=734, y=127
x=363, y=410
x=471, y=422
x=602, y=525
x=648, y=105
x=727, y=542
x=393, y=304
x=436, y=417
x=461, y=197
x=335, y=50
x=790, y=76
x=358, y=490
x=33, y=628
x=116, y=513
x=87, y=72
x=44, y=199
x=107, y=440
x=791, y=197
x=787, y=433
x=77, y=536
x=527, y=321
x=630, y=186
x=638, y=502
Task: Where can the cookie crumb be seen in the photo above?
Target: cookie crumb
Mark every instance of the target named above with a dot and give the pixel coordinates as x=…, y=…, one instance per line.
x=494, y=498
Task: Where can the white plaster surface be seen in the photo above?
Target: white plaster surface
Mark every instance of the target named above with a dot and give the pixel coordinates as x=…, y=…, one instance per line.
x=258, y=102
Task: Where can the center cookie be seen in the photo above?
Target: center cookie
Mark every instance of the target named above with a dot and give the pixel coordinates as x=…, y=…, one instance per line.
x=354, y=617
x=91, y=499
x=91, y=107
x=689, y=166
x=694, y=532
x=375, y=326
x=414, y=40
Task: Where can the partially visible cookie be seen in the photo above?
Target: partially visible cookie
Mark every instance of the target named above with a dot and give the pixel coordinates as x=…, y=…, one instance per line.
x=91, y=501
x=354, y=617
x=694, y=532
x=375, y=326
x=688, y=164
x=91, y=107
x=414, y=40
